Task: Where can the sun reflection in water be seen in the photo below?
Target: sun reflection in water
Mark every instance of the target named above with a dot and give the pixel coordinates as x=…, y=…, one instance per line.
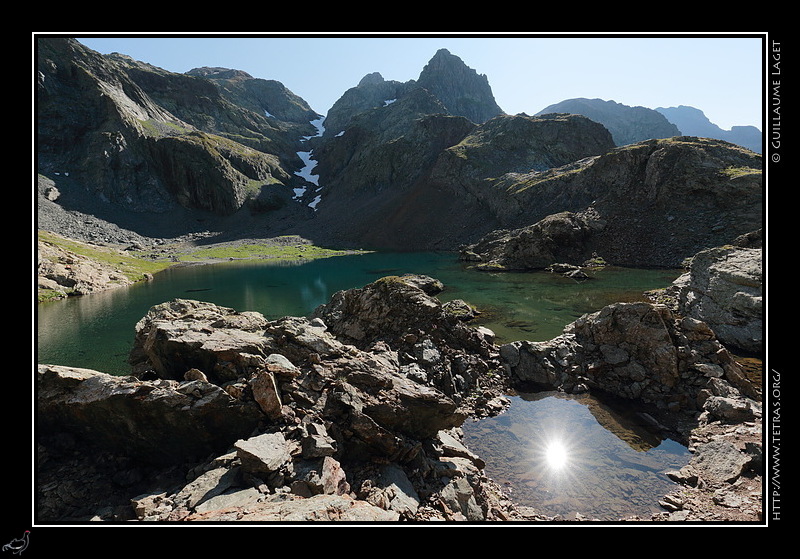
x=557, y=458
x=556, y=455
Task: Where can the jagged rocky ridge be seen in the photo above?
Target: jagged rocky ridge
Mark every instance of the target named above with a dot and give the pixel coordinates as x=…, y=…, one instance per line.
x=354, y=414
x=629, y=125
x=432, y=163
x=693, y=122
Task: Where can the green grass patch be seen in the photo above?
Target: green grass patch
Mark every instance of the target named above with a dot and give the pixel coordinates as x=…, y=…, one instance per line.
x=734, y=172
x=130, y=265
x=298, y=251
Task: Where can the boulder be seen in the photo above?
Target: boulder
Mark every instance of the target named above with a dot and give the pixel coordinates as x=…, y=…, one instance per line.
x=565, y=236
x=263, y=454
x=156, y=421
x=183, y=334
x=724, y=288
x=383, y=310
x=719, y=461
x=433, y=341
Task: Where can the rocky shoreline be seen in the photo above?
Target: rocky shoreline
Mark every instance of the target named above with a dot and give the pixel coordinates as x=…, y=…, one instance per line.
x=354, y=414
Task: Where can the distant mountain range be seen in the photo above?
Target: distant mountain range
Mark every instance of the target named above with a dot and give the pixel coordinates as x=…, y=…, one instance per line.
x=693, y=122
x=634, y=124
x=429, y=164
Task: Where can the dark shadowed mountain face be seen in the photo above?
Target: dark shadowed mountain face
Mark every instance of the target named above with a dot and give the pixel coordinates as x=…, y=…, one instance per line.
x=651, y=204
x=429, y=185
x=116, y=135
x=432, y=163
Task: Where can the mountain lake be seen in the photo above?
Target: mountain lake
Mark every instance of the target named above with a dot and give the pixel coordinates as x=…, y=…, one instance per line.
x=562, y=455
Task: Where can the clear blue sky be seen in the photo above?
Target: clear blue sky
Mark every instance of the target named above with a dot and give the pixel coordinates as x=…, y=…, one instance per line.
x=719, y=75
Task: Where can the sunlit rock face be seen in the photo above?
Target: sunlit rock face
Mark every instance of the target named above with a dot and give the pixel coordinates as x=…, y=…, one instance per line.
x=724, y=288
x=633, y=350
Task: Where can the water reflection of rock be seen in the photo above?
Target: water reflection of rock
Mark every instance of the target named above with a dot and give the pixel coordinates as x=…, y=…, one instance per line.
x=629, y=425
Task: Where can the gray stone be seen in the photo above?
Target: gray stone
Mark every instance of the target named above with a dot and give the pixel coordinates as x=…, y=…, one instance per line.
x=459, y=497
x=208, y=485
x=263, y=454
x=724, y=289
x=401, y=497
x=231, y=498
x=719, y=461
x=266, y=393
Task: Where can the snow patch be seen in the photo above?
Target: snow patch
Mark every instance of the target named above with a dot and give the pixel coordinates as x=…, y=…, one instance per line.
x=308, y=166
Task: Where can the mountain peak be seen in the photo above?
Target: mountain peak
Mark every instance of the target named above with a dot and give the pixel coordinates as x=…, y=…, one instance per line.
x=460, y=88
x=373, y=78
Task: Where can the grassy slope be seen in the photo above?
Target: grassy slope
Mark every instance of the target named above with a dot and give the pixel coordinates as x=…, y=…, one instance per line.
x=138, y=266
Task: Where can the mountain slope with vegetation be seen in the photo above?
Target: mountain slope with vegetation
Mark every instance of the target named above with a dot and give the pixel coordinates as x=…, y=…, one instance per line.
x=434, y=163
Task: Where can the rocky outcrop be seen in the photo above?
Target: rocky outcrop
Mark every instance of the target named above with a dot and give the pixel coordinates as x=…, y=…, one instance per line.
x=628, y=125
x=61, y=272
x=161, y=422
x=652, y=204
x=724, y=288
x=353, y=413
x=352, y=417
x=461, y=89
x=371, y=93
x=561, y=237
x=635, y=351
x=642, y=351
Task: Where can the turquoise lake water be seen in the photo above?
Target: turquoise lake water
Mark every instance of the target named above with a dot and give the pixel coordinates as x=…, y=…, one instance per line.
x=97, y=331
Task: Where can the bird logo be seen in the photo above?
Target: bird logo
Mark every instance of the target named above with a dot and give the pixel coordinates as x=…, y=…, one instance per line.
x=18, y=545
